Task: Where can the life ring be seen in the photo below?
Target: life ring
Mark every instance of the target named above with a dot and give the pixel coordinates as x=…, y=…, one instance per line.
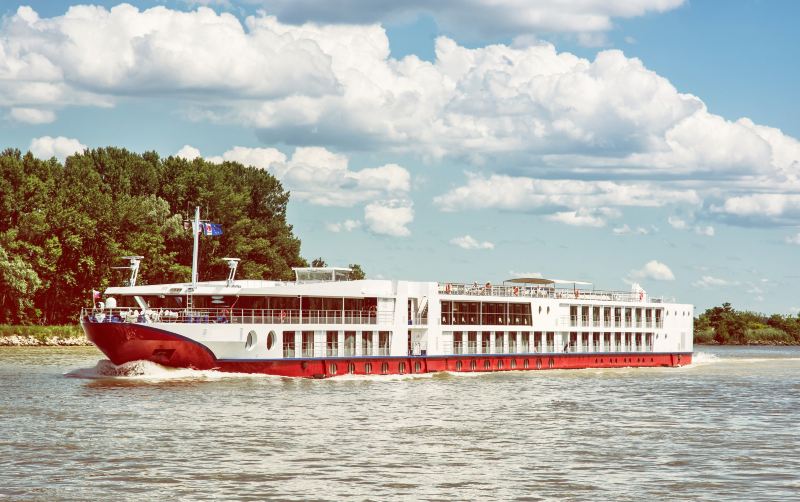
x=447, y=288
x=283, y=315
x=226, y=312
x=516, y=290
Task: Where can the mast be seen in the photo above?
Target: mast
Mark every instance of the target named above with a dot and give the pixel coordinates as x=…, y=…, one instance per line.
x=196, y=230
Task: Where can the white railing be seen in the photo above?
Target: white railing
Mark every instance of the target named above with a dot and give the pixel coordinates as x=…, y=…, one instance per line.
x=541, y=292
x=237, y=316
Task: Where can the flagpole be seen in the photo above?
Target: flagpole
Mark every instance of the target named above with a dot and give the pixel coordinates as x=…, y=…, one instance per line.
x=196, y=230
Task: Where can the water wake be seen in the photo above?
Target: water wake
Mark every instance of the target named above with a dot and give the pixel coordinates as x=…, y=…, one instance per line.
x=150, y=371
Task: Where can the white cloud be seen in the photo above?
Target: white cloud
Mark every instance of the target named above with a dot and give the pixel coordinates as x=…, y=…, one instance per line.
x=344, y=226
x=493, y=18
x=793, y=239
x=708, y=281
x=626, y=229
x=322, y=177
x=526, y=194
x=389, y=217
x=677, y=223
x=32, y=115
x=526, y=107
x=653, y=270
x=770, y=208
x=512, y=273
x=188, y=152
x=59, y=147
x=584, y=217
x=707, y=231
x=469, y=242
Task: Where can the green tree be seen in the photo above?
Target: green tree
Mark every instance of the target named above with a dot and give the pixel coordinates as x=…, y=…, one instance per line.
x=357, y=273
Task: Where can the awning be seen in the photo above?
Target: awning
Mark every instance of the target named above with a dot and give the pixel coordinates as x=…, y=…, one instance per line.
x=530, y=280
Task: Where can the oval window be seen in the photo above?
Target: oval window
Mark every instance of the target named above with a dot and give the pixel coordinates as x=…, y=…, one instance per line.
x=351, y=368
x=472, y=365
x=332, y=369
x=513, y=364
x=368, y=368
x=251, y=341
x=402, y=368
x=487, y=364
x=458, y=365
x=270, y=340
x=385, y=368
x=526, y=364
x=417, y=367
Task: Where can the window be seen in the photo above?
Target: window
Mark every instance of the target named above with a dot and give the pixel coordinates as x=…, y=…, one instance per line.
x=458, y=365
x=385, y=368
x=251, y=341
x=288, y=344
x=349, y=343
x=332, y=369
x=351, y=368
x=500, y=364
x=487, y=364
x=383, y=343
x=368, y=368
x=308, y=344
x=366, y=343
x=270, y=340
x=417, y=367
x=473, y=365
x=525, y=364
x=332, y=343
x=401, y=368
x=513, y=364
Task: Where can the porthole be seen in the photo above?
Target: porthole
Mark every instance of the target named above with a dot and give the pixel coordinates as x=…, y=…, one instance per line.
x=270, y=340
x=538, y=364
x=332, y=369
x=401, y=368
x=551, y=363
x=499, y=365
x=458, y=365
x=540, y=309
x=487, y=364
x=351, y=368
x=368, y=368
x=548, y=309
x=385, y=368
x=417, y=367
x=525, y=364
x=473, y=365
x=513, y=364
x=251, y=341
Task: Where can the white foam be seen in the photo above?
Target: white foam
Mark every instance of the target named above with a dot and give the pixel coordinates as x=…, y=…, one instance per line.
x=704, y=358
x=150, y=371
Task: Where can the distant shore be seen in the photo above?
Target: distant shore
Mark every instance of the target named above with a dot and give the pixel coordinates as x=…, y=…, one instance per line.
x=42, y=336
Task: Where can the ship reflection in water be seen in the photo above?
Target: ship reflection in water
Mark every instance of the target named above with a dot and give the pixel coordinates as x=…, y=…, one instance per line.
x=721, y=428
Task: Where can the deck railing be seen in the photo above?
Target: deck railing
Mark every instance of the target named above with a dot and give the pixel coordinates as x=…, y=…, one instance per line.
x=542, y=292
x=237, y=316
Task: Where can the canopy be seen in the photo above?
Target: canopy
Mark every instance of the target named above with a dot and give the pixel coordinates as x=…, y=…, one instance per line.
x=541, y=280
x=530, y=280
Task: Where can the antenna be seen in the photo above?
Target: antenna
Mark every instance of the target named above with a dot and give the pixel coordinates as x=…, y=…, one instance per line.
x=133, y=267
x=232, y=264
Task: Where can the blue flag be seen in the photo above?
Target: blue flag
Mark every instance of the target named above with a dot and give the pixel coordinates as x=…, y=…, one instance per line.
x=216, y=229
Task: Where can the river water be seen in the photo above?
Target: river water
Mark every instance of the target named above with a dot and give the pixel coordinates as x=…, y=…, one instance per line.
x=74, y=427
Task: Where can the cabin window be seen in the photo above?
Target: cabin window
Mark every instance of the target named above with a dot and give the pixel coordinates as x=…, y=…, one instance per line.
x=270, y=340
x=308, y=344
x=366, y=343
x=368, y=368
x=401, y=368
x=332, y=368
x=487, y=364
x=385, y=368
x=349, y=343
x=458, y=365
x=288, y=344
x=512, y=342
x=332, y=343
x=351, y=368
x=383, y=343
x=251, y=340
x=473, y=365
x=500, y=364
x=458, y=342
x=447, y=313
x=417, y=367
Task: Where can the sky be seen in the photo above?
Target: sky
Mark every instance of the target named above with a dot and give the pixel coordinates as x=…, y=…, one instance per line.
x=616, y=142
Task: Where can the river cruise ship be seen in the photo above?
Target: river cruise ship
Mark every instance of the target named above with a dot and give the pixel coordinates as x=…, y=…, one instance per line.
x=323, y=324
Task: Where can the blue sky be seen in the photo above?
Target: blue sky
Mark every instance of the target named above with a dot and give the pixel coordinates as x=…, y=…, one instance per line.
x=651, y=141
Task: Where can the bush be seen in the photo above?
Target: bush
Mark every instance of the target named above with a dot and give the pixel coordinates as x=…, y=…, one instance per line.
x=42, y=333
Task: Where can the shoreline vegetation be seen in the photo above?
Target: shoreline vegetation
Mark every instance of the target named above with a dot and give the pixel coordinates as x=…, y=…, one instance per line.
x=42, y=336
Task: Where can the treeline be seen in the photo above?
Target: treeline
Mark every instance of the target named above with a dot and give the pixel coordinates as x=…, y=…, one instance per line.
x=64, y=226
x=725, y=325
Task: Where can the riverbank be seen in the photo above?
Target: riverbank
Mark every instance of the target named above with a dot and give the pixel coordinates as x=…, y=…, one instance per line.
x=43, y=336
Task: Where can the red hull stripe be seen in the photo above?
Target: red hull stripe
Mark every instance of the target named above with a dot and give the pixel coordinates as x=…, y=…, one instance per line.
x=125, y=342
